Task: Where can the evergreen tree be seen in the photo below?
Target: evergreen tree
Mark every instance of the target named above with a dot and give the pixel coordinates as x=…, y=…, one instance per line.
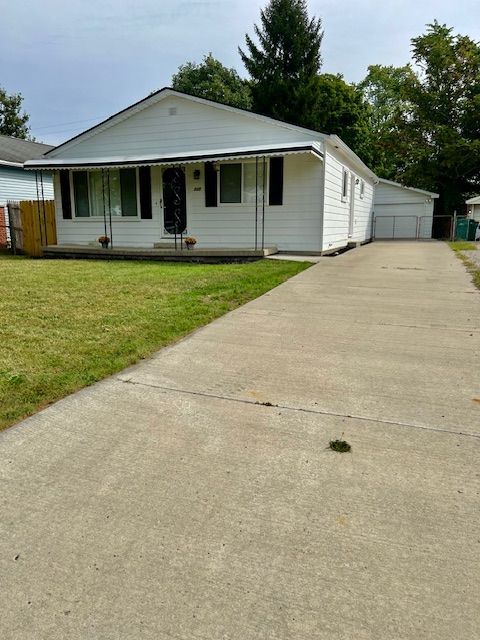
x=12, y=121
x=211, y=80
x=284, y=65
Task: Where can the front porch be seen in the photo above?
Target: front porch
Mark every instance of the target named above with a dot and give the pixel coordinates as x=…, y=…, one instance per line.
x=163, y=254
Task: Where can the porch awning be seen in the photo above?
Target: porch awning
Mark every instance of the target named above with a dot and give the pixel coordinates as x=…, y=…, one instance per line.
x=188, y=157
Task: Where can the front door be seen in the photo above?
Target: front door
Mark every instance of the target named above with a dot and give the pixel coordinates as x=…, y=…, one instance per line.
x=174, y=201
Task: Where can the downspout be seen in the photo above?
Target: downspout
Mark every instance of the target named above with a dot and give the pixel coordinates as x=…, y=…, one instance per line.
x=263, y=204
x=322, y=196
x=372, y=223
x=256, y=202
x=110, y=208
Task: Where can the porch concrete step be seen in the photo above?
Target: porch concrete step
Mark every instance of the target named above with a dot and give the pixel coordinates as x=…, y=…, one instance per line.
x=134, y=253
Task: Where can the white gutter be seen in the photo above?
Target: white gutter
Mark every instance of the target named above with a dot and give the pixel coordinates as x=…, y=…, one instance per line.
x=208, y=155
x=338, y=143
x=402, y=186
x=7, y=163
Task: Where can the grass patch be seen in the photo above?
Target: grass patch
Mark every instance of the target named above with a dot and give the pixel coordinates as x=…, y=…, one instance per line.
x=472, y=267
x=462, y=245
x=64, y=324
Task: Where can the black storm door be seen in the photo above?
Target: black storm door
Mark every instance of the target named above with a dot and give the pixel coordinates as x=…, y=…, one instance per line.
x=174, y=201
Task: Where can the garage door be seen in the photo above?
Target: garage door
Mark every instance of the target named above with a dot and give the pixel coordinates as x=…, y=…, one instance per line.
x=401, y=221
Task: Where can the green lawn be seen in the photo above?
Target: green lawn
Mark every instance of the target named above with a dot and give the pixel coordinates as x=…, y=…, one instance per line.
x=65, y=324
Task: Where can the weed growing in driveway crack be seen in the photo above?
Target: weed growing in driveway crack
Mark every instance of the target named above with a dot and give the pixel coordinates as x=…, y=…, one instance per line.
x=340, y=446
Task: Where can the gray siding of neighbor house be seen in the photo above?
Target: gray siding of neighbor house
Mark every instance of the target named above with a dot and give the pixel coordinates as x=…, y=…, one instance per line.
x=18, y=184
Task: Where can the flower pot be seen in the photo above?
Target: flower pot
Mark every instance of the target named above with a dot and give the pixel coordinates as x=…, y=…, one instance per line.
x=190, y=246
x=104, y=245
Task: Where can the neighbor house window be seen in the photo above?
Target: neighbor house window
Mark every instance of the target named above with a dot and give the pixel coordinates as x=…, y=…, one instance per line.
x=362, y=188
x=96, y=193
x=241, y=183
x=344, y=185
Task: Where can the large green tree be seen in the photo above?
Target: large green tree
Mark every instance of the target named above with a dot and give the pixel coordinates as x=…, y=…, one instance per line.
x=340, y=108
x=13, y=121
x=443, y=123
x=384, y=91
x=284, y=64
x=211, y=80
x=426, y=118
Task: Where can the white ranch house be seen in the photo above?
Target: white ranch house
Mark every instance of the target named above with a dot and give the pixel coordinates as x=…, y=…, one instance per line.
x=176, y=164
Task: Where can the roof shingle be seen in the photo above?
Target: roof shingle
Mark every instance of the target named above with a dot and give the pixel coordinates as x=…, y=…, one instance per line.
x=16, y=150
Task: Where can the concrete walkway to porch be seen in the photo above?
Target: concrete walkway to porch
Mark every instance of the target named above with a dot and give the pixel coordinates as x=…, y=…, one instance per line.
x=194, y=496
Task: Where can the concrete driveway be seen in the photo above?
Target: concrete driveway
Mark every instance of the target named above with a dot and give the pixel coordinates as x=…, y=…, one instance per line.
x=169, y=502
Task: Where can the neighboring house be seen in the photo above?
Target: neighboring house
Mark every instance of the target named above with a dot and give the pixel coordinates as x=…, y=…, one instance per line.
x=177, y=163
x=474, y=208
x=402, y=212
x=15, y=182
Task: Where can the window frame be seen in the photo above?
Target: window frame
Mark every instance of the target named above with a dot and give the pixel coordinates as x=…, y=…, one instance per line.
x=122, y=218
x=242, y=203
x=344, y=186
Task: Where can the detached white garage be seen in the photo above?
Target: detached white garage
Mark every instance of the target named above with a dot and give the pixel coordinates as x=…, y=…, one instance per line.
x=402, y=212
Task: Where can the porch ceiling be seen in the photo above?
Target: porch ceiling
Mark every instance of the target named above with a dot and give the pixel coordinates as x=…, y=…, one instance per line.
x=188, y=157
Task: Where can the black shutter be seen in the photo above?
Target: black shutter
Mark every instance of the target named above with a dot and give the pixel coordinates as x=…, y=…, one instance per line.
x=210, y=185
x=65, y=194
x=275, y=196
x=128, y=191
x=145, y=181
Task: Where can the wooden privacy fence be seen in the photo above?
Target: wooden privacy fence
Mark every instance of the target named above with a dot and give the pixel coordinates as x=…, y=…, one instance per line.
x=32, y=225
x=3, y=228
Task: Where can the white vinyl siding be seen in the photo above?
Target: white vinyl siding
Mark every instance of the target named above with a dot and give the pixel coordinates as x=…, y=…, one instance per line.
x=336, y=216
x=18, y=184
x=293, y=226
x=402, y=213
x=194, y=127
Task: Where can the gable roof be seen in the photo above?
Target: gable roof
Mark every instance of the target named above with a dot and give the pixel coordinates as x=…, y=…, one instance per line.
x=15, y=151
x=161, y=94
x=402, y=186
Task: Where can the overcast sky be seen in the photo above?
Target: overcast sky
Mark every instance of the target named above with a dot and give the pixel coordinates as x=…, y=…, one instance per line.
x=78, y=61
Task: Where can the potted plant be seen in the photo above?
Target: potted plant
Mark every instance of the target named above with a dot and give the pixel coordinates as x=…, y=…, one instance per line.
x=104, y=241
x=190, y=242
